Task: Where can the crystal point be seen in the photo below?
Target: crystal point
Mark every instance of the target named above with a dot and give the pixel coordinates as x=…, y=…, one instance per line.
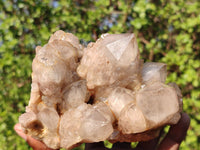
x=118, y=47
x=153, y=71
x=116, y=60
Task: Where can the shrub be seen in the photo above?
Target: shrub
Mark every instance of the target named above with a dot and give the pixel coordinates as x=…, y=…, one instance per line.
x=167, y=31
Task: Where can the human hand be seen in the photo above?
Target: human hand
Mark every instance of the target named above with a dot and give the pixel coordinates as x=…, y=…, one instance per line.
x=35, y=144
x=172, y=141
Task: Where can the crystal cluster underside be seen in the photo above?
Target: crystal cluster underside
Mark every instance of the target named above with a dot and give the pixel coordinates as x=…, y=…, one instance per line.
x=101, y=92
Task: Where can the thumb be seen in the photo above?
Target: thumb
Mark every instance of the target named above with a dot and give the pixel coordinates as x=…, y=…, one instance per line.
x=35, y=144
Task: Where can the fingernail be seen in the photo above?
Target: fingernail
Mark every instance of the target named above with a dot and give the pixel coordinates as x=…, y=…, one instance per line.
x=18, y=127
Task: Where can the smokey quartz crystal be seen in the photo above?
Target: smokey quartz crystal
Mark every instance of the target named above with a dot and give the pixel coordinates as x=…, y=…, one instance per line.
x=100, y=92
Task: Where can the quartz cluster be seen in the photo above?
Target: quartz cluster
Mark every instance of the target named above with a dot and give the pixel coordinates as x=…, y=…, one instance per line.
x=101, y=92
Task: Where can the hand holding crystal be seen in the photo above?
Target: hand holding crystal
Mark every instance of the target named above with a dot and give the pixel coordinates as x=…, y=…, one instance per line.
x=101, y=92
x=172, y=141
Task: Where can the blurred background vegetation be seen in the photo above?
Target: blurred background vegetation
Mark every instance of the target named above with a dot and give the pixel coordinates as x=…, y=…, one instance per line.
x=167, y=31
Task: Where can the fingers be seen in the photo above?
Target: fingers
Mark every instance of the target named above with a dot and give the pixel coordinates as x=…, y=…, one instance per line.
x=121, y=146
x=19, y=131
x=176, y=134
x=100, y=146
x=172, y=141
x=36, y=145
x=149, y=145
x=95, y=146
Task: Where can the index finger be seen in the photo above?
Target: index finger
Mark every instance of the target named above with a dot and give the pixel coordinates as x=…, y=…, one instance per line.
x=176, y=134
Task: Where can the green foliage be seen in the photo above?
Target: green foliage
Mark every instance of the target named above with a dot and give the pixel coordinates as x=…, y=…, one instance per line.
x=167, y=31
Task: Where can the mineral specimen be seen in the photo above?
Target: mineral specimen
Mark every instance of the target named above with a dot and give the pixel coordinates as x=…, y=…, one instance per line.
x=102, y=92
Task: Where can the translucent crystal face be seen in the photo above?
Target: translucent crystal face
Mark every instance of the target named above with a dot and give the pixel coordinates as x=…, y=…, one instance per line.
x=103, y=92
x=152, y=72
x=111, y=59
x=119, y=47
x=118, y=99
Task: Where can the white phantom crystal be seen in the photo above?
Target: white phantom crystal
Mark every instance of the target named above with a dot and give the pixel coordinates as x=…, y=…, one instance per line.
x=153, y=71
x=158, y=102
x=69, y=37
x=74, y=95
x=69, y=126
x=96, y=124
x=107, y=62
x=117, y=48
x=155, y=105
x=118, y=99
x=132, y=120
x=102, y=92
